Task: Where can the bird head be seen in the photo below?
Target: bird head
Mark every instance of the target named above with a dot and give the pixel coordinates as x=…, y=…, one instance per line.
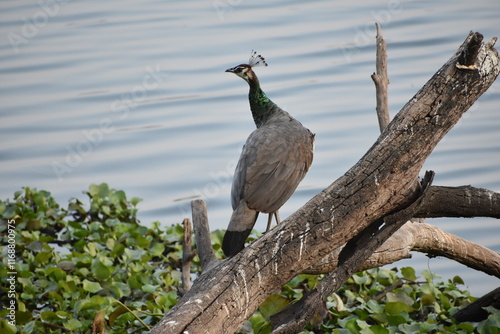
x=245, y=70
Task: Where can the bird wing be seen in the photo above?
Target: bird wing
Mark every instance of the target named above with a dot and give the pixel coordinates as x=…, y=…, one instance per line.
x=274, y=160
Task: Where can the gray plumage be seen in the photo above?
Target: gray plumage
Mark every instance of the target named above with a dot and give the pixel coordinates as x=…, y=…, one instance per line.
x=274, y=159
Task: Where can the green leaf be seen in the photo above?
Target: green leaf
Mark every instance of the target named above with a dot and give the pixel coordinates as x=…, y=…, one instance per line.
x=118, y=197
x=66, y=265
x=94, y=190
x=40, y=201
x=409, y=328
x=100, y=270
x=377, y=329
x=409, y=273
x=56, y=273
x=272, y=305
x=396, y=320
x=157, y=249
x=427, y=299
x=429, y=276
x=23, y=317
x=91, y=287
x=352, y=326
x=116, y=313
x=73, y=324
x=7, y=328
x=492, y=310
x=10, y=212
x=100, y=191
x=458, y=280
x=49, y=316
x=134, y=282
x=91, y=249
x=468, y=327
x=374, y=307
x=135, y=200
x=258, y=324
x=3, y=207
x=401, y=296
x=149, y=288
x=361, y=279
x=120, y=289
x=106, y=210
x=396, y=308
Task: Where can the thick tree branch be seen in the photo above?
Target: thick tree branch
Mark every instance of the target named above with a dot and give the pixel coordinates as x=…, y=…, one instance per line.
x=425, y=238
x=293, y=318
x=226, y=294
x=475, y=311
x=464, y=201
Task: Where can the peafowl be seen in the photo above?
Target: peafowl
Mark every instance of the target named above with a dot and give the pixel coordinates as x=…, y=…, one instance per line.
x=274, y=159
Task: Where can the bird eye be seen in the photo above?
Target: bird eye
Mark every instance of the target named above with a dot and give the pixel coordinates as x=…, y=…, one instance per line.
x=240, y=69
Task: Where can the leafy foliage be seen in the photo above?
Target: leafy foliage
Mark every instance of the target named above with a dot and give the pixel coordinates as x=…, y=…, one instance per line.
x=94, y=268
x=72, y=263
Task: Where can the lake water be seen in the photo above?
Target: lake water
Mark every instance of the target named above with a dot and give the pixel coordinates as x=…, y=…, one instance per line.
x=134, y=94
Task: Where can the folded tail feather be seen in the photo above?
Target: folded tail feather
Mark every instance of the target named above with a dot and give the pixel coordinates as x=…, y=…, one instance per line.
x=241, y=224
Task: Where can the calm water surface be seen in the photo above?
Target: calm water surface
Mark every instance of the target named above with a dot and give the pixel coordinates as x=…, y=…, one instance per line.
x=134, y=94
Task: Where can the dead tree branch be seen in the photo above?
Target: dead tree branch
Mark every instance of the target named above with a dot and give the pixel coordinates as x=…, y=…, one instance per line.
x=381, y=183
x=464, y=201
x=475, y=311
x=425, y=238
x=293, y=318
x=381, y=80
x=187, y=256
x=202, y=234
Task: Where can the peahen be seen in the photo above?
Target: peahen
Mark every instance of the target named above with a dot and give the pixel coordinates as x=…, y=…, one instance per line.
x=274, y=159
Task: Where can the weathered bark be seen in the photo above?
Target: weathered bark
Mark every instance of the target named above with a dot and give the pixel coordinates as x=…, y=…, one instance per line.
x=202, y=234
x=293, y=318
x=475, y=311
x=381, y=81
x=464, y=201
x=382, y=182
x=187, y=256
x=425, y=238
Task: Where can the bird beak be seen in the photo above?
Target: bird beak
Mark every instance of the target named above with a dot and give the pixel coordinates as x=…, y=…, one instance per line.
x=231, y=70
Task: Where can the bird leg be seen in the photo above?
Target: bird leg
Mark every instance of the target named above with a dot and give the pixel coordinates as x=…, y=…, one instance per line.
x=270, y=219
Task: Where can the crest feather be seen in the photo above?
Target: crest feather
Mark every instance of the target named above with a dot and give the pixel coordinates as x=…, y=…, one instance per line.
x=256, y=60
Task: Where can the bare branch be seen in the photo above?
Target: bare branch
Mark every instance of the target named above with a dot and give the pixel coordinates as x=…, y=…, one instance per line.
x=187, y=256
x=202, y=234
x=381, y=81
x=425, y=238
x=464, y=201
x=475, y=311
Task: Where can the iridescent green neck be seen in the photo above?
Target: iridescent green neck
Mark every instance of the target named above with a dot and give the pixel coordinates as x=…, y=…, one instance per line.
x=261, y=106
